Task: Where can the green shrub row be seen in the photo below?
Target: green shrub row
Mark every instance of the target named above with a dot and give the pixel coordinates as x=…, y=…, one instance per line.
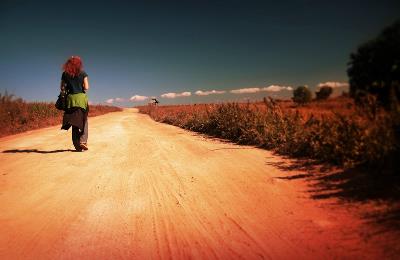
x=344, y=140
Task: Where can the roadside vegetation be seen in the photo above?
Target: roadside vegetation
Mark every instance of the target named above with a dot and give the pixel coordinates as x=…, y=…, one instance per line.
x=17, y=115
x=346, y=136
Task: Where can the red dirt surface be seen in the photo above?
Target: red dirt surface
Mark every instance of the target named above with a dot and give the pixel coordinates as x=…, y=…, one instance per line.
x=147, y=190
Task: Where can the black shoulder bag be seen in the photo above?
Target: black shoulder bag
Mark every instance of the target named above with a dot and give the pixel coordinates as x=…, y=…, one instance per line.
x=61, y=103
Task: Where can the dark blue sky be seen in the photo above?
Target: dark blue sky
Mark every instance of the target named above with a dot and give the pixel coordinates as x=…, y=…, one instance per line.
x=156, y=47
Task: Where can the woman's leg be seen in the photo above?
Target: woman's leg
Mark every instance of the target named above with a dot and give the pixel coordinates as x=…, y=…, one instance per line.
x=84, y=137
x=75, y=137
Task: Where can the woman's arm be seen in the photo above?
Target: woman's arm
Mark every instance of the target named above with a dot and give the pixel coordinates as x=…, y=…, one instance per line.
x=86, y=83
x=62, y=86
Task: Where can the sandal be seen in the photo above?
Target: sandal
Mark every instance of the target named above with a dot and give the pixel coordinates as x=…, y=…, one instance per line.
x=83, y=146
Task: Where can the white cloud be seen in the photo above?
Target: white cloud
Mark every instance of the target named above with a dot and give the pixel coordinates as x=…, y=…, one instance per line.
x=334, y=84
x=169, y=95
x=206, y=93
x=245, y=90
x=110, y=101
x=119, y=99
x=185, y=94
x=175, y=95
x=276, y=88
x=138, y=98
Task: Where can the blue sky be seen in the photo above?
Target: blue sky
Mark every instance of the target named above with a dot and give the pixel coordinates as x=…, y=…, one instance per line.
x=150, y=48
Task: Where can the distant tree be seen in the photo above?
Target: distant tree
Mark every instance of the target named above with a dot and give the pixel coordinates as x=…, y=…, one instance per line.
x=301, y=95
x=324, y=92
x=375, y=68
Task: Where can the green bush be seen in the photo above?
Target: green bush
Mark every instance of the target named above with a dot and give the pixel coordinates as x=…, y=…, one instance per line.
x=301, y=95
x=323, y=93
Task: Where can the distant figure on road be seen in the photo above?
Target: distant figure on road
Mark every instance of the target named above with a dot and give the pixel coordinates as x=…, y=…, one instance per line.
x=74, y=81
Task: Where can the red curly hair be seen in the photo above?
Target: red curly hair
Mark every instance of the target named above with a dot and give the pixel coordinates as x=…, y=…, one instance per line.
x=73, y=66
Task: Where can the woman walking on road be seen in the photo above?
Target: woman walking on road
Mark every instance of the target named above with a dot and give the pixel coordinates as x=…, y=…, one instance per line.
x=74, y=81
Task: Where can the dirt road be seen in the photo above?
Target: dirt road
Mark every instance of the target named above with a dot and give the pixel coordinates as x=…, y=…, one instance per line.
x=147, y=190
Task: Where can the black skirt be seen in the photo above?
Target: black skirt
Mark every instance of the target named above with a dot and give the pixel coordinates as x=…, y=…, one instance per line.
x=75, y=116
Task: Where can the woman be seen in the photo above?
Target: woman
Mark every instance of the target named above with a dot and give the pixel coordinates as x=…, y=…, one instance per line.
x=74, y=81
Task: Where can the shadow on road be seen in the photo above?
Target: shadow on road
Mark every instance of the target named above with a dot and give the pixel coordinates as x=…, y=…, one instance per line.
x=355, y=185
x=37, y=151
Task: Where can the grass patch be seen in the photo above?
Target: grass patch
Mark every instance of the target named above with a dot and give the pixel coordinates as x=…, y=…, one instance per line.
x=332, y=131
